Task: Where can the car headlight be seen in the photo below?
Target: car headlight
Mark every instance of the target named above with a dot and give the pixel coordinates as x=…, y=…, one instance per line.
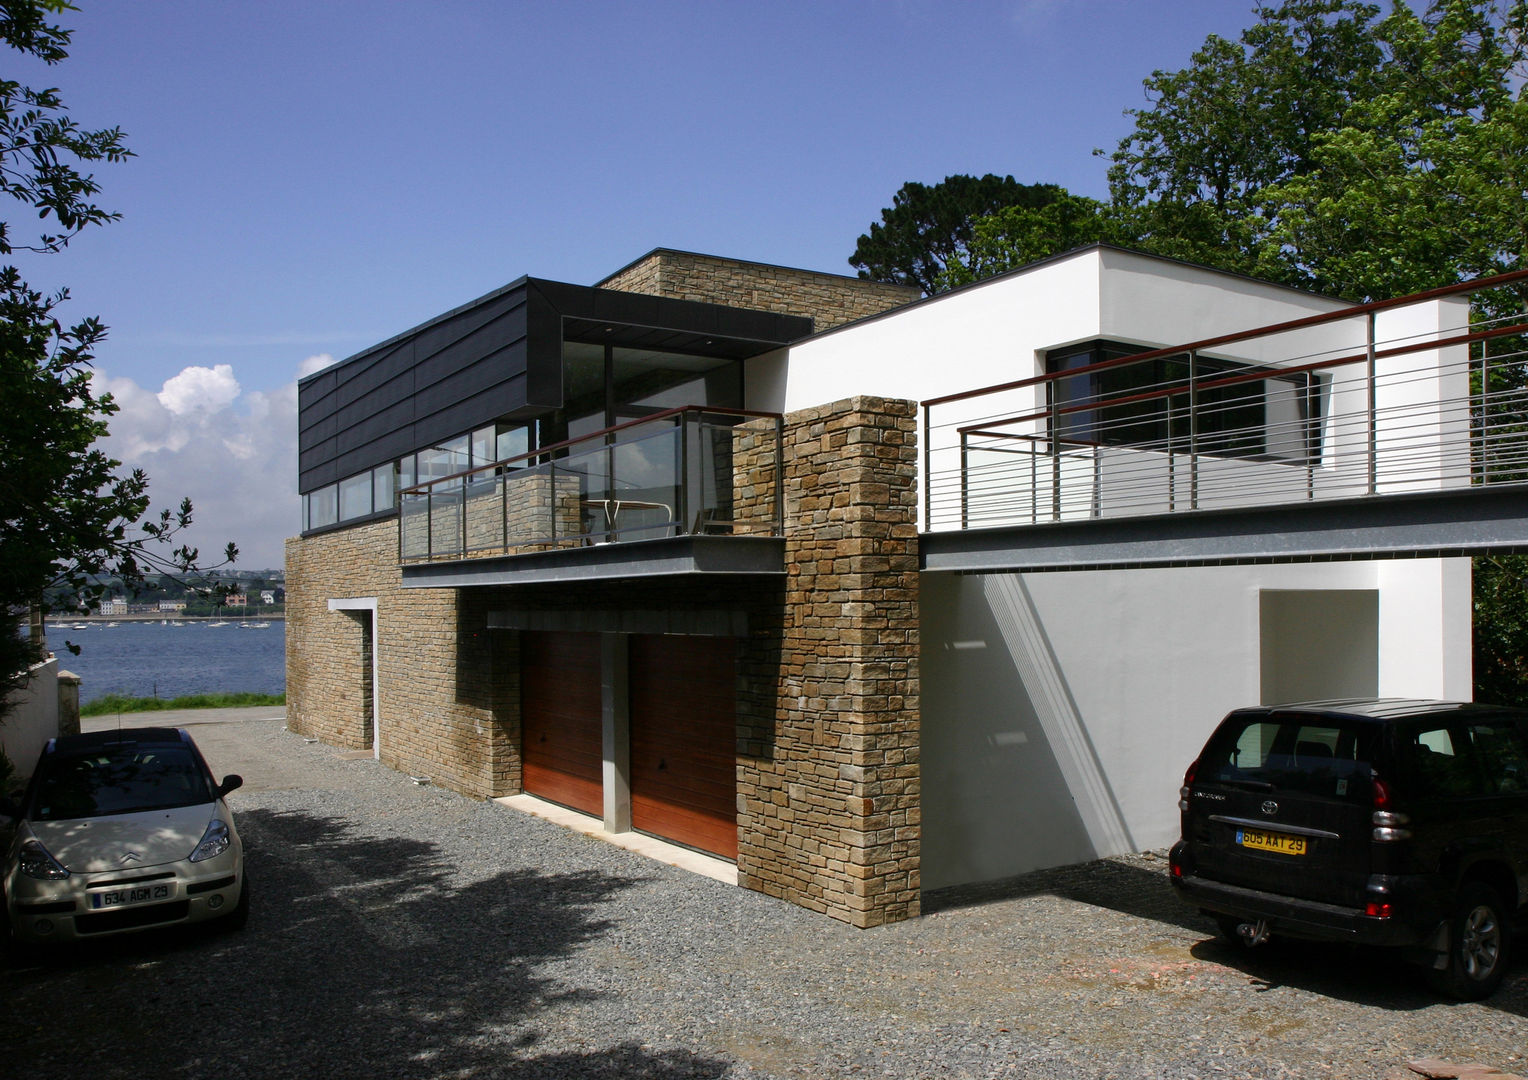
x=214, y=841
x=37, y=862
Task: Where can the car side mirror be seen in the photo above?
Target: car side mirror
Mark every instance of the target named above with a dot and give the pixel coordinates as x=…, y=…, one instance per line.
x=231, y=782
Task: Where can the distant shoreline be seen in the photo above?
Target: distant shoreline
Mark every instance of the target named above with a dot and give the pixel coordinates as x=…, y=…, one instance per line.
x=57, y=623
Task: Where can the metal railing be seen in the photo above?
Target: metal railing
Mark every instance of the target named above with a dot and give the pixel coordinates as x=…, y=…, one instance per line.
x=1362, y=401
x=685, y=471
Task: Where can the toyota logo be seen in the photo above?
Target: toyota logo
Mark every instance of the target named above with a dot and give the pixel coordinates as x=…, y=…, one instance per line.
x=1270, y=807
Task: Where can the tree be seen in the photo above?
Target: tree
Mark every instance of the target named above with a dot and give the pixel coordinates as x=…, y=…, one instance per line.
x=1424, y=183
x=927, y=228
x=68, y=515
x=1016, y=236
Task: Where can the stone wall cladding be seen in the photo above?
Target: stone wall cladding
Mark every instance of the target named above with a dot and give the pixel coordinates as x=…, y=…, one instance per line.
x=828, y=777
x=829, y=299
x=830, y=812
x=447, y=690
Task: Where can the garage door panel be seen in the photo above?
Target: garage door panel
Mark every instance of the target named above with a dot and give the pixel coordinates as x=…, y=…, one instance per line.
x=562, y=745
x=698, y=829
x=684, y=740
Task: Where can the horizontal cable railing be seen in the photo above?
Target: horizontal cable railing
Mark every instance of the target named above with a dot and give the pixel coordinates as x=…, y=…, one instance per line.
x=687, y=471
x=1263, y=417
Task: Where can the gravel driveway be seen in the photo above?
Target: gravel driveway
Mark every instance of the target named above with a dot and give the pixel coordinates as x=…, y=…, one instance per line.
x=401, y=931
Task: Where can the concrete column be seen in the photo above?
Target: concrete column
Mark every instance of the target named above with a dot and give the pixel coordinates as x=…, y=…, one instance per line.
x=68, y=703
x=615, y=718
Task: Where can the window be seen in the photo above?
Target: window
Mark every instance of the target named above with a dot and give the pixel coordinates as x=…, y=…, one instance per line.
x=382, y=486
x=355, y=496
x=322, y=507
x=1242, y=410
x=1291, y=753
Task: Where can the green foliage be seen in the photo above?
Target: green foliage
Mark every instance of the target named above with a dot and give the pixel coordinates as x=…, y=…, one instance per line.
x=1018, y=235
x=111, y=704
x=67, y=512
x=1424, y=183
x=927, y=228
x=1501, y=629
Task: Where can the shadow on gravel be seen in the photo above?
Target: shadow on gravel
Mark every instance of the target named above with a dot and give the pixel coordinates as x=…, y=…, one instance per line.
x=1103, y=883
x=364, y=956
x=1367, y=976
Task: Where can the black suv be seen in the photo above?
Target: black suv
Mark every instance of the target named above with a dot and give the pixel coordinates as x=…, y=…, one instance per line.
x=1397, y=823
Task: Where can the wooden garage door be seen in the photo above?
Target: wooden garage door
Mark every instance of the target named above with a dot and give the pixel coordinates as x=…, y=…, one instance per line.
x=560, y=719
x=683, y=693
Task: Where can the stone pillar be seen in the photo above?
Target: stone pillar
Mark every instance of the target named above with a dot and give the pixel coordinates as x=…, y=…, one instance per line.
x=68, y=703
x=830, y=809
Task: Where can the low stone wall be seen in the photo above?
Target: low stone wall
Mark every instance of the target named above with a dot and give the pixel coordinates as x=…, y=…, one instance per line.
x=828, y=299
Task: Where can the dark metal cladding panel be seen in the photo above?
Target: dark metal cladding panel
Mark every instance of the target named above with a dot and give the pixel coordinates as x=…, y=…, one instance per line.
x=482, y=375
x=501, y=319
x=459, y=371
x=456, y=418
x=379, y=374
x=543, y=375
x=375, y=427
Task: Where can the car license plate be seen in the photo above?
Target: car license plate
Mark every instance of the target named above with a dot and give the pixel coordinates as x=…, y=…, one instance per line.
x=139, y=894
x=1265, y=841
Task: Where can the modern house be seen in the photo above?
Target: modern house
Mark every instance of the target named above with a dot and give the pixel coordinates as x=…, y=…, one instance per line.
x=654, y=550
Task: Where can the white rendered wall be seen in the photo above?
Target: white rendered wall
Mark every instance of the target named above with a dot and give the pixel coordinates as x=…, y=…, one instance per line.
x=999, y=331
x=32, y=718
x=1060, y=710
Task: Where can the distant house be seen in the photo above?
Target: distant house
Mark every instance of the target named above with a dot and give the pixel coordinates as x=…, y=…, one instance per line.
x=115, y=605
x=267, y=596
x=236, y=600
x=172, y=605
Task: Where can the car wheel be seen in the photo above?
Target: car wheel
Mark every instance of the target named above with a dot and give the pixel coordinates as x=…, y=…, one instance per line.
x=1477, y=945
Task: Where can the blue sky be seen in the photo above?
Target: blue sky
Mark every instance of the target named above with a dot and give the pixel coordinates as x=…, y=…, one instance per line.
x=314, y=177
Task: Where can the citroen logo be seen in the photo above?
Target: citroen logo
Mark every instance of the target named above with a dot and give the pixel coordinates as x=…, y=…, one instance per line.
x=1270, y=807
x=129, y=857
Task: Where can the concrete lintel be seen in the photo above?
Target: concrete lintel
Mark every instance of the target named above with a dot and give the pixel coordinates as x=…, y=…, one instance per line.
x=703, y=622
x=1457, y=521
x=672, y=557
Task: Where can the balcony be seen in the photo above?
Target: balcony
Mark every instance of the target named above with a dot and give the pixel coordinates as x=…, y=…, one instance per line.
x=1407, y=412
x=689, y=490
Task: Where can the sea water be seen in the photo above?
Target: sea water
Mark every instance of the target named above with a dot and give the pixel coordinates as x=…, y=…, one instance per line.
x=173, y=658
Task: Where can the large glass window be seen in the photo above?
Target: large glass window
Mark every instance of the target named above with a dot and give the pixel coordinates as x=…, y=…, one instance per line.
x=1239, y=410
x=323, y=507
x=355, y=496
x=604, y=385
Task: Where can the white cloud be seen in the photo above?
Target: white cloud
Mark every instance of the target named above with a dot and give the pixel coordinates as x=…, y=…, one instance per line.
x=232, y=452
x=314, y=364
x=199, y=389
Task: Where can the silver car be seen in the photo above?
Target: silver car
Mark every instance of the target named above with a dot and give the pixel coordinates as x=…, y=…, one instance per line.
x=120, y=831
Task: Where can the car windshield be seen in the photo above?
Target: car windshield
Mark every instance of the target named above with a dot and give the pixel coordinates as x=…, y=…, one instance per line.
x=1314, y=755
x=118, y=780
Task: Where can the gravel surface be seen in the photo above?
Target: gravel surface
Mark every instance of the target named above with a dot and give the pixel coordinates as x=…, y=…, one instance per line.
x=401, y=931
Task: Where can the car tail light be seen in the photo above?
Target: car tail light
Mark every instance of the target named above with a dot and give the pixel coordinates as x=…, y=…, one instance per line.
x=1188, y=782
x=1388, y=824
x=1379, y=909
x=1381, y=794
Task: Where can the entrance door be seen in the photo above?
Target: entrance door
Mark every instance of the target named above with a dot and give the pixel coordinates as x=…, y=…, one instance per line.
x=560, y=729
x=683, y=693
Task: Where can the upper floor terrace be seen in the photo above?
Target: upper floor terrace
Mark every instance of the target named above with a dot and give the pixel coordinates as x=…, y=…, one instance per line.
x=1416, y=396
